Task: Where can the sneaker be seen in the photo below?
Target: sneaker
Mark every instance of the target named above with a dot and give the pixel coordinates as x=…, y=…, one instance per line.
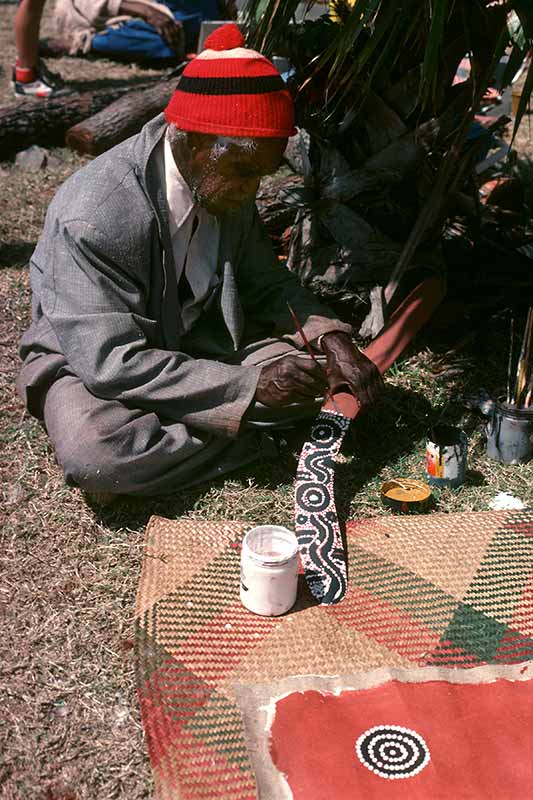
x=53, y=79
x=39, y=82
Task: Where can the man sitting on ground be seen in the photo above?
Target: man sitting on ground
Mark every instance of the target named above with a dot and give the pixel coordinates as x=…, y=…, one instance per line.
x=135, y=30
x=162, y=343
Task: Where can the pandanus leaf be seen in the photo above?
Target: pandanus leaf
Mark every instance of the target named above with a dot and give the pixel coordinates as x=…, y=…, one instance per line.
x=438, y=10
x=525, y=99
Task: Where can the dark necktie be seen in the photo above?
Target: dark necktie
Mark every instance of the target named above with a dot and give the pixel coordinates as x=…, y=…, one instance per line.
x=185, y=293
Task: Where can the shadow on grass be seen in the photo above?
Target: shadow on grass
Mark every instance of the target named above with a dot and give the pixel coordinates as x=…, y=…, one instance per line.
x=382, y=436
x=136, y=511
x=112, y=83
x=374, y=441
x=475, y=478
x=15, y=254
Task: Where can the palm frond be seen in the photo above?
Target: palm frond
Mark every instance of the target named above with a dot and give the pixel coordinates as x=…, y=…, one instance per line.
x=267, y=22
x=439, y=10
x=372, y=77
x=384, y=32
x=516, y=59
x=372, y=35
x=525, y=99
x=362, y=17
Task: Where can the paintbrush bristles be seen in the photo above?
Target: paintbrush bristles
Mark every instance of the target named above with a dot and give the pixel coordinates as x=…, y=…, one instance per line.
x=527, y=401
x=527, y=350
x=510, y=360
x=523, y=360
x=528, y=357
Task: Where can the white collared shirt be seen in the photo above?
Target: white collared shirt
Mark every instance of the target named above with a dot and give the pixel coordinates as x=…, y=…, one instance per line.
x=198, y=251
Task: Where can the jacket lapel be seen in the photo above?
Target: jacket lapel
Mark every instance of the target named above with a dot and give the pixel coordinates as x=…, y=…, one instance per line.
x=149, y=137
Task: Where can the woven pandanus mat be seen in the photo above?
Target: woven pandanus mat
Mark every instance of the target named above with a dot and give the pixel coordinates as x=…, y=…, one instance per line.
x=451, y=590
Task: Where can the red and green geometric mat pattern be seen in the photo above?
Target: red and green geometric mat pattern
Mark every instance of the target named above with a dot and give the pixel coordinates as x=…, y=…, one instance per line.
x=437, y=590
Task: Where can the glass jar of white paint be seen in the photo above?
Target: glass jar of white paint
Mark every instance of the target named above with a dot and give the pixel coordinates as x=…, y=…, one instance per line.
x=269, y=570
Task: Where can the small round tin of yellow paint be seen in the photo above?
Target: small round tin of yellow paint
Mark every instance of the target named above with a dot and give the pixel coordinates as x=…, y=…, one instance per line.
x=405, y=495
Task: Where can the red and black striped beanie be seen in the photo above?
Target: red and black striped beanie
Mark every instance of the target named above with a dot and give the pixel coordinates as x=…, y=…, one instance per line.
x=231, y=91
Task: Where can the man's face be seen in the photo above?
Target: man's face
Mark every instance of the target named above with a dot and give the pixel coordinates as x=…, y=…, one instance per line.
x=224, y=173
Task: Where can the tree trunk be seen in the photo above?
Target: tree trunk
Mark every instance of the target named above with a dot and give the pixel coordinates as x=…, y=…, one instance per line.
x=46, y=121
x=121, y=119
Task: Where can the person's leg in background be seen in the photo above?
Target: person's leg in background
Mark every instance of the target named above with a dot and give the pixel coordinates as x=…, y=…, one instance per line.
x=30, y=75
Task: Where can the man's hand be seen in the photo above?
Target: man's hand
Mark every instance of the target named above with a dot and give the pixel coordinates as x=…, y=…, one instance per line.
x=291, y=379
x=170, y=30
x=347, y=366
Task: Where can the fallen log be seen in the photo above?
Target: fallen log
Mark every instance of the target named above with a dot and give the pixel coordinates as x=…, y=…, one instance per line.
x=45, y=122
x=122, y=118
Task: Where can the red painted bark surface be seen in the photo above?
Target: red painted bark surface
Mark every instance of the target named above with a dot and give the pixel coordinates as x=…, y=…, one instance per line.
x=478, y=736
x=404, y=324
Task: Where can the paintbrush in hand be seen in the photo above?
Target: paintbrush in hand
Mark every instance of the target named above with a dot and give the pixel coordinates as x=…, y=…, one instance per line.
x=309, y=349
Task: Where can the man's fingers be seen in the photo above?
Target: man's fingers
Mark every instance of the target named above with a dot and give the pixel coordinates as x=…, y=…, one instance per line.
x=175, y=38
x=171, y=32
x=308, y=391
x=304, y=399
x=298, y=383
x=309, y=365
x=166, y=33
x=308, y=370
x=317, y=381
x=366, y=392
x=291, y=380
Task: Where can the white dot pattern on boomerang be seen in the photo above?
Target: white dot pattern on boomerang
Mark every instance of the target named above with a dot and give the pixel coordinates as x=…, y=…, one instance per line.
x=392, y=752
x=316, y=524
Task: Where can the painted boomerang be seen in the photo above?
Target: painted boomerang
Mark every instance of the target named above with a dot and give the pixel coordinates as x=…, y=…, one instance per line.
x=316, y=522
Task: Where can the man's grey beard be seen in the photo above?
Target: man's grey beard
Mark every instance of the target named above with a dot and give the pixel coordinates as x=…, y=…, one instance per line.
x=204, y=201
x=200, y=199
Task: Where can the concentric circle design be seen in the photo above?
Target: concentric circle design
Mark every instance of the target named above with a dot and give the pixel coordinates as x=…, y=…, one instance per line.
x=324, y=433
x=392, y=751
x=313, y=497
x=328, y=430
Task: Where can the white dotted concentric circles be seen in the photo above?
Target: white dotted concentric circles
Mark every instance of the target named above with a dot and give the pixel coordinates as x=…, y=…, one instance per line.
x=392, y=751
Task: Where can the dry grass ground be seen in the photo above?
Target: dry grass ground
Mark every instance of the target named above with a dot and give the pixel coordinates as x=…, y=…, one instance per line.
x=71, y=728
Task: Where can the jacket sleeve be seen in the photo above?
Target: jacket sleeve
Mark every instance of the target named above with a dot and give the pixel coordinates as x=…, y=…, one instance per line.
x=97, y=309
x=266, y=288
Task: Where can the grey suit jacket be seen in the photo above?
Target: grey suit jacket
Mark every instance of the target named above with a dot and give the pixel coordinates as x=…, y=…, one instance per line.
x=105, y=298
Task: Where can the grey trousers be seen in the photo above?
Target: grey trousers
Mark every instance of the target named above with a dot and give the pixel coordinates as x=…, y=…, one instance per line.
x=104, y=446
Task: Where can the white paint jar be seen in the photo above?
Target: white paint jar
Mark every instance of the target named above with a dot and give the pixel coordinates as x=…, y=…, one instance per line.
x=269, y=570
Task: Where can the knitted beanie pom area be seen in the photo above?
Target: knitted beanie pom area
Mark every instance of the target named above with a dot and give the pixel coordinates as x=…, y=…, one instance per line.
x=231, y=90
x=227, y=37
